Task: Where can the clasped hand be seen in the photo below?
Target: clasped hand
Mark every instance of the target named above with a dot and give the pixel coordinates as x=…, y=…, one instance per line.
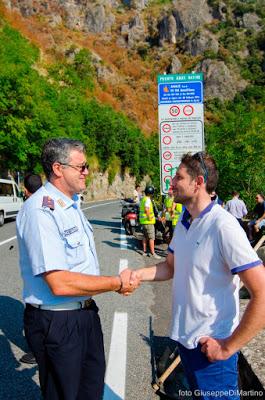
x=130, y=281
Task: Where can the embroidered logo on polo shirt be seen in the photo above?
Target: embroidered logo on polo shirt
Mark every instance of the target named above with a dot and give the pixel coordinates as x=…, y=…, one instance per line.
x=70, y=231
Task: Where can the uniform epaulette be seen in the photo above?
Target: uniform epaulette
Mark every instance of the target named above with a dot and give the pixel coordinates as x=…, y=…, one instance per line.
x=48, y=202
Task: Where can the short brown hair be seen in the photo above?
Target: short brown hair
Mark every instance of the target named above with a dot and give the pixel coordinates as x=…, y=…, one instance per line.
x=203, y=164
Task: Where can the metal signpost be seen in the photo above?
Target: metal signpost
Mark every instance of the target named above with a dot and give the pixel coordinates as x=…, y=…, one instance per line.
x=181, y=127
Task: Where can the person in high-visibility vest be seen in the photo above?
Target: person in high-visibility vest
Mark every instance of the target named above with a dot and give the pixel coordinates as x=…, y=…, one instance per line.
x=169, y=200
x=147, y=220
x=177, y=209
x=168, y=210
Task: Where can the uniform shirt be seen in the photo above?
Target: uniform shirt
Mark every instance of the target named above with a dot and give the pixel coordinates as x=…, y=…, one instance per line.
x=53, y=239
x=236, y=207
x=208, y=253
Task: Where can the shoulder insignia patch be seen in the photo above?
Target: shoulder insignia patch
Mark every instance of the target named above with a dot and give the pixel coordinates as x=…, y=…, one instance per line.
x=61, y=203
x=48, y=202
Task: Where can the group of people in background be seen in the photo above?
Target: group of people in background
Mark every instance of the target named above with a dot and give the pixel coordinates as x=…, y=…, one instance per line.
x=172, y=211
x=234, y=206
x=238, y=209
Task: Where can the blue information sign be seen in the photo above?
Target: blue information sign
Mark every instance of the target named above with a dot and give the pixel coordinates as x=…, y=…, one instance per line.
x=180, y=93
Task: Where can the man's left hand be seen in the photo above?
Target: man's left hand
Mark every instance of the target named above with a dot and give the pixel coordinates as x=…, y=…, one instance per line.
x=215, y=349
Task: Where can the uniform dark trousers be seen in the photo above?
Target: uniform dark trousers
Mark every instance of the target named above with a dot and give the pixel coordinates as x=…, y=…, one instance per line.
x=68, y=346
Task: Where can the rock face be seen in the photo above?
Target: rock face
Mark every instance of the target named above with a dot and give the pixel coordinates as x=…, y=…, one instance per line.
x=179, y=27
x=251, y=21
x=175, y=65
x=190, y=17
x=220, y=11
x=122, y=186
x=167, y=30
x=82, y=15
x=201, y=42
x=219, y=80
x=137, y=4
x=90, y=18
x=183, y=19
x=132, y=33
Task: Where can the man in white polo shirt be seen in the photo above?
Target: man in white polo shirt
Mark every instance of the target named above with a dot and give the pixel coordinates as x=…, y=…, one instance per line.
x=208, y=255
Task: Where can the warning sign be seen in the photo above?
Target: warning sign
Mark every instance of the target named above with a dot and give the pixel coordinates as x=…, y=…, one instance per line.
x=181, y=126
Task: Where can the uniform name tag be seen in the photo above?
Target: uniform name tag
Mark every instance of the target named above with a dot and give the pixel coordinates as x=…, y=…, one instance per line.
x=70, y=231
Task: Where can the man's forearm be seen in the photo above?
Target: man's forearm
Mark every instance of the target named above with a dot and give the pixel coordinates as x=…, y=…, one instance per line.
x=159, y=272
x=252, y=322
x=66, y=283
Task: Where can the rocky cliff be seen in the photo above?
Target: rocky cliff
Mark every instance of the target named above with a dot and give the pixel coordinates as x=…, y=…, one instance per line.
x=134, y=40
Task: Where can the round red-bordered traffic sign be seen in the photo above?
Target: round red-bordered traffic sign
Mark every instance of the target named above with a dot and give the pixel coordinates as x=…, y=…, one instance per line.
x=166, y=128
x=188, y=110
x=166, y=140
x=174, y=111
x=167, y=155
x=168, y=177
x=167, y=167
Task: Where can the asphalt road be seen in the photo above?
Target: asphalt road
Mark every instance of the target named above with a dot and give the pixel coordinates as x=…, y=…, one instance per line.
x=135, y=328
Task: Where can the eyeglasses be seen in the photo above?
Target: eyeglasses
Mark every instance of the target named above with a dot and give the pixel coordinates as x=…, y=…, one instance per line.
x=80, y=168
x=199, y=157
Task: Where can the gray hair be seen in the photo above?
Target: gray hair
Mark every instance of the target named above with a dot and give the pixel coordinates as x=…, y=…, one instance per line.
x=58, y=150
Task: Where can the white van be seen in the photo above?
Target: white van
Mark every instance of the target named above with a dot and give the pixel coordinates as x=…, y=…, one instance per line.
x=10, y=200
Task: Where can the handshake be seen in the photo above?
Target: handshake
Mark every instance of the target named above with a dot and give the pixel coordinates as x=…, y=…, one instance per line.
x=129, y=281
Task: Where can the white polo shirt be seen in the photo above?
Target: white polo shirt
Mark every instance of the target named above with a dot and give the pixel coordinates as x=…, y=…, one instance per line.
x=207, y=255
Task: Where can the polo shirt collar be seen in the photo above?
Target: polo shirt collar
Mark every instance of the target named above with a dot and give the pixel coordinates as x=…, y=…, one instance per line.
x=60, y=198
x=186, y=215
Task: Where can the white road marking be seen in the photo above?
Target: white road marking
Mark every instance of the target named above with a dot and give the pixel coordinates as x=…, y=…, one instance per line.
x=115, y=379
x=123, y=238
x=8, y=240
x=123, y=265
x=116, y=371
x=99, y=205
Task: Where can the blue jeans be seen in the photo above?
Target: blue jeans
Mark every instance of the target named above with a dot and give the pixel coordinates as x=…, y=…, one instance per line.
x=210, y=380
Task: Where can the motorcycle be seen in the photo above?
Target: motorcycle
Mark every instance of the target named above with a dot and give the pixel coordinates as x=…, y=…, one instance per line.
x=132, y=226
x=130, y=216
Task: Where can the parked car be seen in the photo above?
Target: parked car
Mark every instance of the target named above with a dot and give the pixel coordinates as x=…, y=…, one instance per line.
x=11, y=199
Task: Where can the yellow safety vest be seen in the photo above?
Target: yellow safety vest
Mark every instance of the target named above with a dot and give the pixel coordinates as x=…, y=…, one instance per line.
x=177, y=212
x=144, y=220
x=169, y=202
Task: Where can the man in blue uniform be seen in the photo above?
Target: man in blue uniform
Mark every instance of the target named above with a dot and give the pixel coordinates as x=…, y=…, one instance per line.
x=60, y=271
